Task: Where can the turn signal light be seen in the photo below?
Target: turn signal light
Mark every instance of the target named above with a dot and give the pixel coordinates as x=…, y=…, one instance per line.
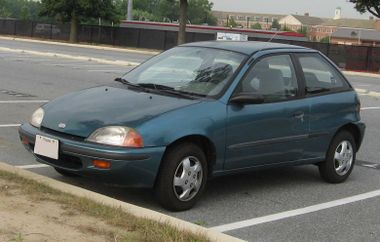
x=25, y=140
x=101, y=164
x=133, y=139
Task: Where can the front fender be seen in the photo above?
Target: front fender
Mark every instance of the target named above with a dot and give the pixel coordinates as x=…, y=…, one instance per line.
x=206, y=119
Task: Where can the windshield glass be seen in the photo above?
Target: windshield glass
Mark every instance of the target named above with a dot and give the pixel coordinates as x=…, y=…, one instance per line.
x=192, y=70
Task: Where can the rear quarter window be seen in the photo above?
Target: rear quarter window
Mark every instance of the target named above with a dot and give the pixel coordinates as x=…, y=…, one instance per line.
x=320, y=76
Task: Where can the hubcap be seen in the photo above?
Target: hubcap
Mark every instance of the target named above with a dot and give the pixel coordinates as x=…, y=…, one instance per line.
x=343, y=158
x=188, y=178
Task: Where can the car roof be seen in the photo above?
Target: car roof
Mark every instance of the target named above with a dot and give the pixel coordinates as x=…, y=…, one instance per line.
x=245, y=47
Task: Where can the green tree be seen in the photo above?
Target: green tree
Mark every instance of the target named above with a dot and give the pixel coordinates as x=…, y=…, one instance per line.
x=371, y=6
x=325, y=40
x=276, y=24
x=5, y=13
x=168, y=10
x=302, y=30
x=144, y=15
x=200, y=12
x=286, y=28
x=25, y=13
x=231, y=23
x=256, y=26
x=21, y=9
x=76, y=11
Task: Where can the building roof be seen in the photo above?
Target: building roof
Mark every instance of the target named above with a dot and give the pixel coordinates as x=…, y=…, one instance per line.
x=308, y=20
x=351, y=23
x=363, y=34
x=247, y=47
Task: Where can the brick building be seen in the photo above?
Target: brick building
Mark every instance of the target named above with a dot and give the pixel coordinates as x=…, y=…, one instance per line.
x=300, y=22
x=349, y=36
x=327, y=28
x=247, y=20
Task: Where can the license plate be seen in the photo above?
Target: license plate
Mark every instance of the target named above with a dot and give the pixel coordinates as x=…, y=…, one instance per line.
x=46, y=147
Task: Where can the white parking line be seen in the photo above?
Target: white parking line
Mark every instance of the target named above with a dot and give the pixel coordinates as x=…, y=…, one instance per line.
x=23, y=101
x=33, y=166
x=296, y=212
x=371, y=108
x=109, y=70
x=363, y=85
x=9, y=125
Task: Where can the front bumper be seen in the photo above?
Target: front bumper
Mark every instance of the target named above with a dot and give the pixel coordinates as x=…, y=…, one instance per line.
x=130, y=167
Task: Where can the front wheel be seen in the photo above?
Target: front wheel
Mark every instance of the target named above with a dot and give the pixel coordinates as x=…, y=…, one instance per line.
x=182, y=177
x=340, y=160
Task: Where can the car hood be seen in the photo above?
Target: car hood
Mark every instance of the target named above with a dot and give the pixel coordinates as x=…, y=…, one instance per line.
x=81, y=113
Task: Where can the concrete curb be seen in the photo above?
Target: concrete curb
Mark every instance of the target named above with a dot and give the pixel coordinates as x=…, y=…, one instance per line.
x=87, y=46
x=364, y=74
x=72, y=57
x=132, y=209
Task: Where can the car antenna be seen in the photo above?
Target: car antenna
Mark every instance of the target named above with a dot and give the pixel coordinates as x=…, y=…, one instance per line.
x=270, y=40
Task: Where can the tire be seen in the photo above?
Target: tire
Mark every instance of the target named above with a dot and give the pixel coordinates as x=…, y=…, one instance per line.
x=65, y=173
x=185, y=163
x=340, y=161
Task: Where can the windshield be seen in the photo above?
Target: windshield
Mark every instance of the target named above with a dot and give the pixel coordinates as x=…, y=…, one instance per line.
x=192, y=70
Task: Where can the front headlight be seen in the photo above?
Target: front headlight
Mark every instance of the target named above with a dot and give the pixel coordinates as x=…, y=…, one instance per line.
x=37, y=118
x=117, y=136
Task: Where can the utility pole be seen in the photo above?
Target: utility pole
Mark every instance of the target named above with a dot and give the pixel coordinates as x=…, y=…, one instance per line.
x=130, y=10
x=182, y=22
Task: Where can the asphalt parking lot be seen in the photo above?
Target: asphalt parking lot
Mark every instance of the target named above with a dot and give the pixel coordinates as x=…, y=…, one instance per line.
x=271, y=205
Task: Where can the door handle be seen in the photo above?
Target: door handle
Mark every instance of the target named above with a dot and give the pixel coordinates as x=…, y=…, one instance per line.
x=299, y=115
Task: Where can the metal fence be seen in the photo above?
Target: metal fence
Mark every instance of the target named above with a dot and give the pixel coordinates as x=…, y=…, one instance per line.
x=359, y=58
x=129, y=37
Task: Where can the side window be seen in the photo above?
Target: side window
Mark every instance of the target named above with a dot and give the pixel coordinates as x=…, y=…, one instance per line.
x=320, y=76
x=272, y=77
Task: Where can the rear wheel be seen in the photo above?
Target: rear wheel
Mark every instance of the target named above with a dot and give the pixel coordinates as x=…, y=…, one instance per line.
x=65, y=173
x=340, y=160
x=182, y=177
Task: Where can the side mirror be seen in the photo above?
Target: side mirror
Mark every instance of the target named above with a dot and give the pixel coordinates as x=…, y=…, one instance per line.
x=245, y=98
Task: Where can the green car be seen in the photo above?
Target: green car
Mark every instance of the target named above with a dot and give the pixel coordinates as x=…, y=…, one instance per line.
x=203, y=110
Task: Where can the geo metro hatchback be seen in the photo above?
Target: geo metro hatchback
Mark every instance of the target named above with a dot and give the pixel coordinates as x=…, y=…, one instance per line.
x=203, y=110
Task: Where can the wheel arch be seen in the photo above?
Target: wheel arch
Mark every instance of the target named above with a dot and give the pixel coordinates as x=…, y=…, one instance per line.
x=354, y=130
x=203, y=142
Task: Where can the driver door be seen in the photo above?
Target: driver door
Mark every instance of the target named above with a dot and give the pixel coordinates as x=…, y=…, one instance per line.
x=275, y=130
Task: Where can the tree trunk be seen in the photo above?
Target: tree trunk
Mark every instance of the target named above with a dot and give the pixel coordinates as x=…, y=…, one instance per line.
x=74, y=28
x=182, y=22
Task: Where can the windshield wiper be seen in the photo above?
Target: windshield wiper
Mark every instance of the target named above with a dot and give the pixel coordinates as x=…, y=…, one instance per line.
x=155, y=86
x=125, y=82
x=130, y=84
x=159, y=88
x=171, y=90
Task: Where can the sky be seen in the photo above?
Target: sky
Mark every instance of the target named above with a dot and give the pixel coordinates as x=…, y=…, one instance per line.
x=318, y=8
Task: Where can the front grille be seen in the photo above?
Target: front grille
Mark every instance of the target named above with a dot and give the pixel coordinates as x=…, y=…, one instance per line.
x=61, y=135
x=65, y=161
